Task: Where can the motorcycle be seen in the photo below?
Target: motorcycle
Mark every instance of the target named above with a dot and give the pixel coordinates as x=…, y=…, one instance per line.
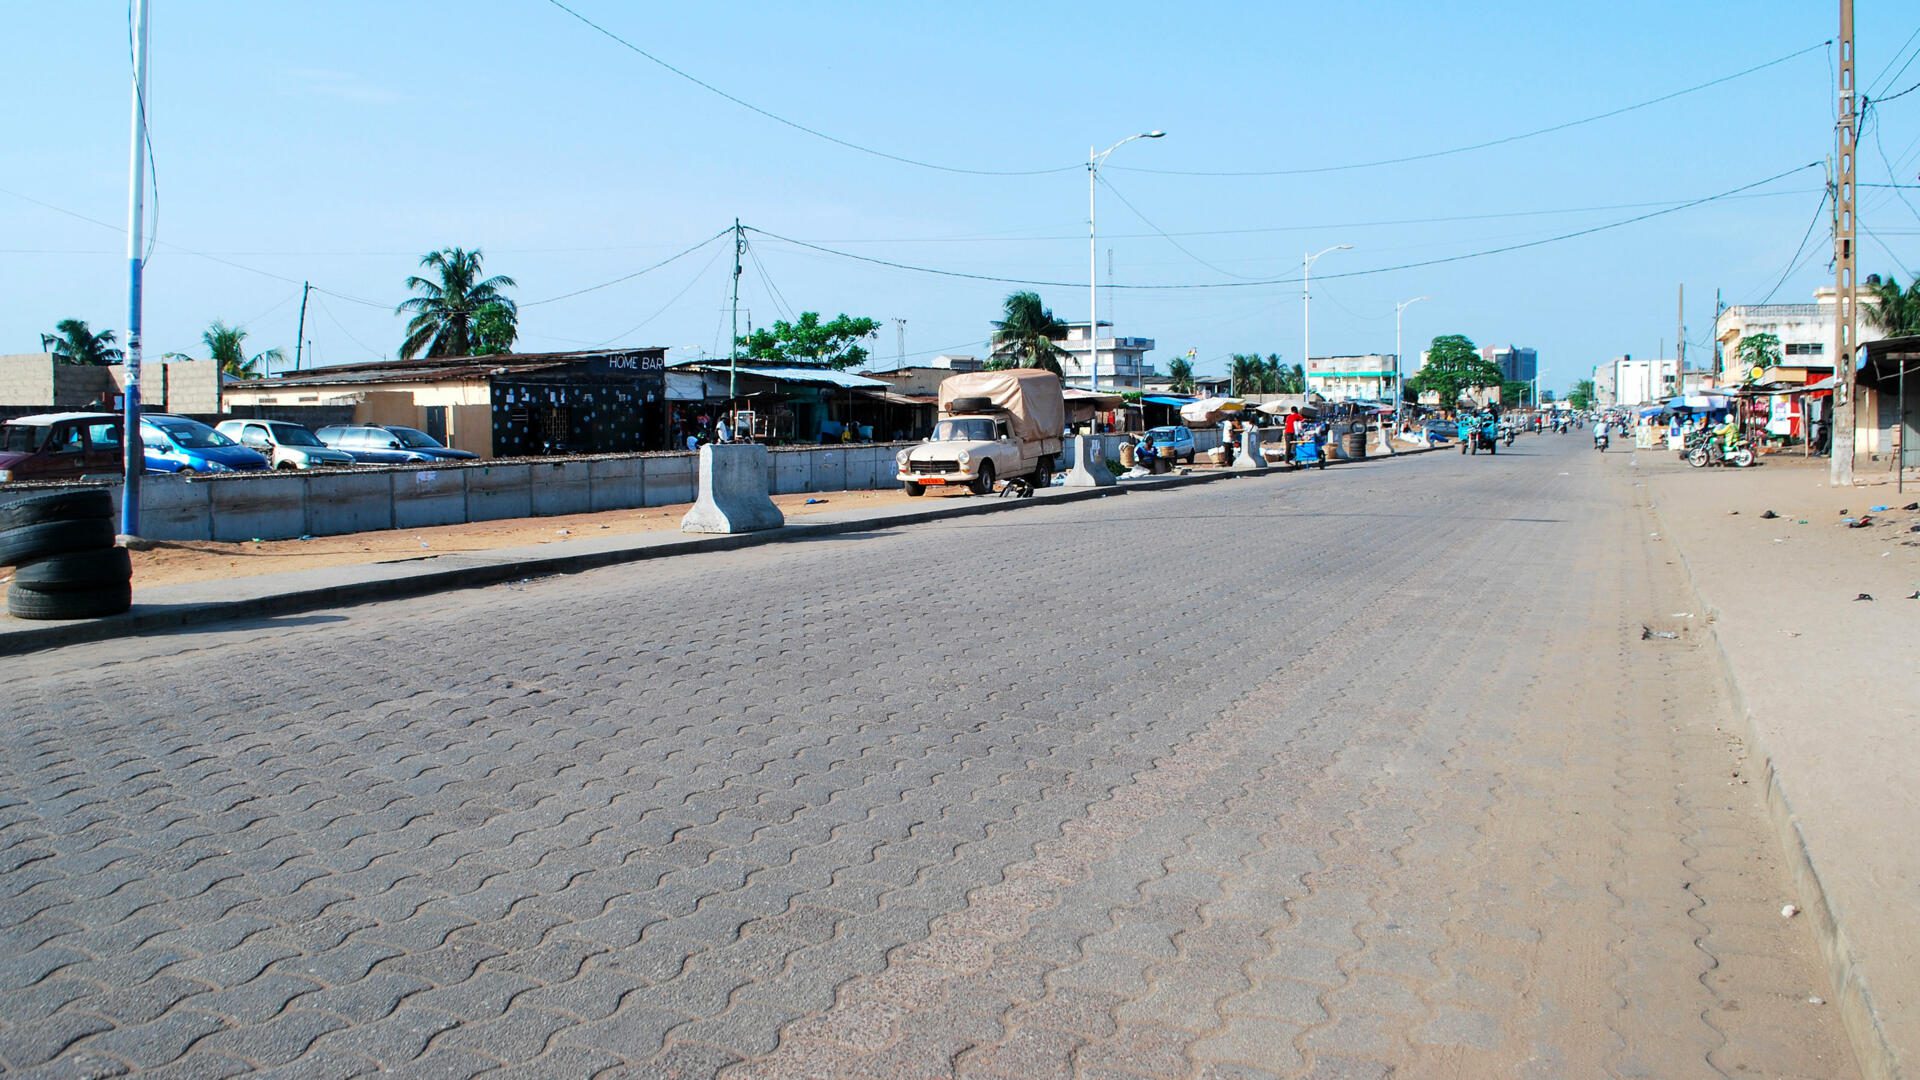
x=1509, y=439
x=1712, y=452
x=1601, y=440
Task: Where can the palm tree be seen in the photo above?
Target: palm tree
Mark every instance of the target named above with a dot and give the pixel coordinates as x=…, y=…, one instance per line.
x=1026, y=334
x=1894, y=310
x=1180, y=375
x=73, y=343
x=1248, y=373
x=460, y=314
x=227, y=344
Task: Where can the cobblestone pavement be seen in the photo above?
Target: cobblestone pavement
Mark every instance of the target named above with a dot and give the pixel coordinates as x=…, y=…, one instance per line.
x=1338, y=774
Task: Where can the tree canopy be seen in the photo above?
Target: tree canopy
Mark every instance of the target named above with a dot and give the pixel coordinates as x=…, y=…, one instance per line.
x=227, y=344
x=450, y=312
x=73, y=343
x=1756, y=353
x=1255, y=374
x=1896, y=312
x=1180, y=375
x=1581, y=396
x=1453, y=367
x=808, y=341
x=1025, y=335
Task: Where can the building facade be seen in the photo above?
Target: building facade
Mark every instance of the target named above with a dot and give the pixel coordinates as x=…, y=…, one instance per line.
x=1369, y=377
x=1805, y=332
x=1516, y=363
x=1123, y=363
x=1604, y=388
x=1641, y=382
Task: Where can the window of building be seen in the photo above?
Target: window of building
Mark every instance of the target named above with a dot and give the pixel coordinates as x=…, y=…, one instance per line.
x=1800, y=348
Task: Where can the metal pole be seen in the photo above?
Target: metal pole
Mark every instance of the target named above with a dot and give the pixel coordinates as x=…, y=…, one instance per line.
x=1306, y=312
x=733, y=352
x=1093, y=276
x=1841, y=441
x=134, y=458
x=300, y=335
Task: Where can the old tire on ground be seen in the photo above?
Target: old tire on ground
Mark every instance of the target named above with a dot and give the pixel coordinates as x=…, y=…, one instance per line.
x=91, y=604
x=983, y=480
x=75, y=571
x=912, y=489
x=57, y=506
x=969, y=404
x=32, y=542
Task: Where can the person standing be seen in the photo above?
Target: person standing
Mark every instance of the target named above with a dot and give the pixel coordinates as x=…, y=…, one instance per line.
x=722, y=433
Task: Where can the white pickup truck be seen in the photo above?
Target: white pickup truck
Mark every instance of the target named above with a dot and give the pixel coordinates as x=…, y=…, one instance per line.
x=993, y=425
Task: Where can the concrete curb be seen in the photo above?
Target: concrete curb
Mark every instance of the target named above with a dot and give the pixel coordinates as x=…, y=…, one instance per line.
x=33, y=637
x=1873, y=1052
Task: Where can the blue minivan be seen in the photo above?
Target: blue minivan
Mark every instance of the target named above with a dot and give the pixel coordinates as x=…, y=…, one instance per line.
x=177, y=444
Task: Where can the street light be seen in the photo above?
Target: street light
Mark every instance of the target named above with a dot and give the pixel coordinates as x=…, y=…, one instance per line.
x=1398, y=393
x=1306, y=302
x=1093, y=258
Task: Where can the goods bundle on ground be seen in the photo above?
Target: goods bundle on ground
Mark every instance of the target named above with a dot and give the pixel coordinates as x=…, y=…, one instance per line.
x=65, y=563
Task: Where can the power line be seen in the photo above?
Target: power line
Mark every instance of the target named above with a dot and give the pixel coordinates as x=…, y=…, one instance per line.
x=1294, y=280
x=343, y=327
x=1794, y=262
x=1481, y=145
x=1163, y=234
x=795, y=124
x=698, y=275
x=1884, y=77
x=629, y=277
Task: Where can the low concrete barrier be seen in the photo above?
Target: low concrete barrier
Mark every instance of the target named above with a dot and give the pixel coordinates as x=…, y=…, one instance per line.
x=1089, y=465
x=733, y=492
x=1250, y=456
x=281, y=506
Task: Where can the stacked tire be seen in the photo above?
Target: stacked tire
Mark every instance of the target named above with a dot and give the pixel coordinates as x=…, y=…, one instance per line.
x=65, y=563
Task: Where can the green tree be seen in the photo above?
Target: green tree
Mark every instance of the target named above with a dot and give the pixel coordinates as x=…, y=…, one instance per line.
x=1582, y=394
x=1757, y=352
x=809, y=341
x=227, y=344
x=1291, y=379
x=1515, y=391
x=1894, y=311
x=448, y=313
x=1026, y=335
x=1453, y=367
x=1180, y=375
x=73, y=343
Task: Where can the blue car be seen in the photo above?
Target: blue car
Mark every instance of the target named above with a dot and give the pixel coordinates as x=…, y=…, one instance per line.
x=374, y=444
x=178, y=445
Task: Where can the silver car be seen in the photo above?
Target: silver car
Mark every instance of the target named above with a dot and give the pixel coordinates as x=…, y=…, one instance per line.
x=286, y=445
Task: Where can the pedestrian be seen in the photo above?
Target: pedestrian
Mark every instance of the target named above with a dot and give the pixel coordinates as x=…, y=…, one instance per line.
x=721, y=432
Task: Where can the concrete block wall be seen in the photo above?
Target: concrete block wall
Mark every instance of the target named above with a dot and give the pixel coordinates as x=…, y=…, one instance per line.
x=26, y=379
x=283, y=506
x=193, y=386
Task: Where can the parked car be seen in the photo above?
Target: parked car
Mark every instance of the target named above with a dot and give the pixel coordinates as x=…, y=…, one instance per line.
x=286, y=445
x=371, y=445
x=993, y=425
x=415, y=439
x=379, y=445
x=60, y=446
x=1174, y=441
x=177, y=444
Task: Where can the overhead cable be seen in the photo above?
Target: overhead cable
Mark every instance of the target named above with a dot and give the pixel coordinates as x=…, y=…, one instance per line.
x=683, y=253
x=795, y=124
x=1294, y=280
x=1430, y=155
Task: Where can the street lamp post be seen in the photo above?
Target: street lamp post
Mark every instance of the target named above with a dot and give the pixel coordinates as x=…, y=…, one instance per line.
x=1093, y=258
x=1398, y=393
x=1306, y=301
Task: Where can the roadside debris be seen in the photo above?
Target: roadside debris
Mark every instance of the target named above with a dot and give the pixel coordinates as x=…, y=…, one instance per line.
x=1648, y=633
x=1768, y=515
x=1863, y=596
x=1789, y=911
x=1816, y=999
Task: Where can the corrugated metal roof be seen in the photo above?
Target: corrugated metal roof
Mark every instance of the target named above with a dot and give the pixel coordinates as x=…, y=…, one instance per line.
x=812, y=376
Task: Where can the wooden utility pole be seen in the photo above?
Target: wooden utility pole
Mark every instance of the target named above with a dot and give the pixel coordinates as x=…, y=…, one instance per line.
x=1841, y=440
x=1680, y=335
x=300, y=334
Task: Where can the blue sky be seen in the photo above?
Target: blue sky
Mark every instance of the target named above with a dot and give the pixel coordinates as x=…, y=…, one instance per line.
x=337, y=142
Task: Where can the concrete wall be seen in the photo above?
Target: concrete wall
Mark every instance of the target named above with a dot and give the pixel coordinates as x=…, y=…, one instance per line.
x=26, y=379
x=193, y=386
x=282, y=506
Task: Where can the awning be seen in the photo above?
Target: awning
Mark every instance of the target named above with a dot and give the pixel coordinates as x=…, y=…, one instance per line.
x=809, y=376
x=894, y=397
x=1166, y=399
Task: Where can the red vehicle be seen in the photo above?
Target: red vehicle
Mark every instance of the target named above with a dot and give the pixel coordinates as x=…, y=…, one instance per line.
x=60, y=446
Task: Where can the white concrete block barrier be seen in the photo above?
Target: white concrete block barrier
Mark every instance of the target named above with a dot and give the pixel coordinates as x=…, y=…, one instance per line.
x=1250, y=456
x=1089, y=465
x=733, y=496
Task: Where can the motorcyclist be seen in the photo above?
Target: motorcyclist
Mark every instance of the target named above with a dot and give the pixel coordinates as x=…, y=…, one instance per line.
x=1600, y=433
x=1728, y=434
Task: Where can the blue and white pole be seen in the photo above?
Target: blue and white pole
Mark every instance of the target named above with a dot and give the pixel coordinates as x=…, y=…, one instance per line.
x=134, y=460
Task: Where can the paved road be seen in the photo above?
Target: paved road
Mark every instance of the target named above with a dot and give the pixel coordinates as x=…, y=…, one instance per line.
x=1323, y=775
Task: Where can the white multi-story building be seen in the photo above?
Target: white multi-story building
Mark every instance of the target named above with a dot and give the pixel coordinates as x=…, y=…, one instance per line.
x=1805, y=332
x=1642, y=382
x=1123, y=363
x=1346, y=378
x=1605, y=386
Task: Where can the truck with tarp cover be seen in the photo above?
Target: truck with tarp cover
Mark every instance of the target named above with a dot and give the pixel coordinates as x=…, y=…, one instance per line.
x=993, y=425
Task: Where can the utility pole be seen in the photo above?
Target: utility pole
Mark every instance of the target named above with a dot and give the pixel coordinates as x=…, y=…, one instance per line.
x=733, y=349
x=899, y=344
x=300, y=335
x=1719, y=357
x=1680, y=335
x=1841, y=439
x=134, y=461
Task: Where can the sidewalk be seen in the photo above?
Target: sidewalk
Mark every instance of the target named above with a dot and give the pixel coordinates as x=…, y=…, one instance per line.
x=1828, y=691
